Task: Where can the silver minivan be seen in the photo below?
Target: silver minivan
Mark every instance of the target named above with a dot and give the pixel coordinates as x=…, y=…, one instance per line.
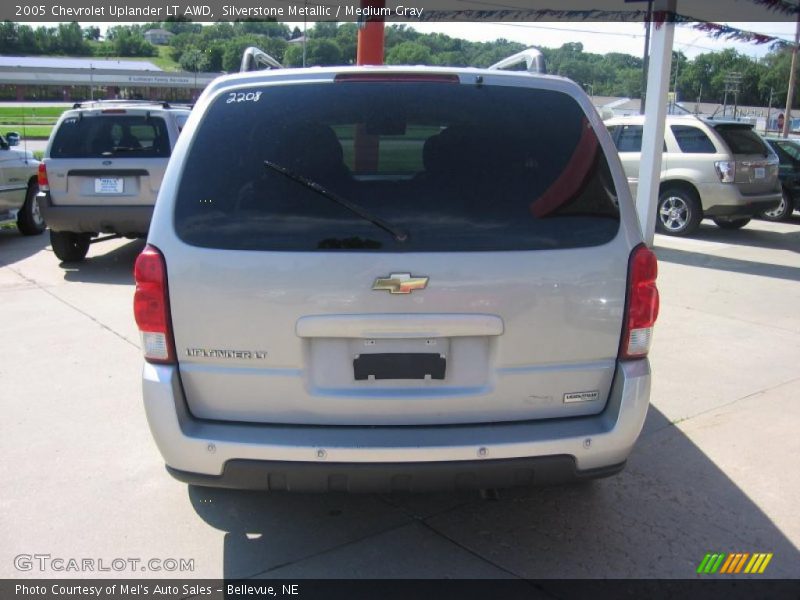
x=394, y=278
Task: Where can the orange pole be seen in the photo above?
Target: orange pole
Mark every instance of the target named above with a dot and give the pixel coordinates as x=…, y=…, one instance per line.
x=370, y=52
x=370, y=36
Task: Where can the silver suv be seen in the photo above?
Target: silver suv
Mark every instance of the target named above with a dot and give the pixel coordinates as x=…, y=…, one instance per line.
x=394, y=279
x=102, y=170
x=717, y=169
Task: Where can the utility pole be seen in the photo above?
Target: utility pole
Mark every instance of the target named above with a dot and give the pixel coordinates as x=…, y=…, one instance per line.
x=646, y=57
x=305, y=25
x=733, y=81
x=699, y=99
x=787, y=116
x=769, y=111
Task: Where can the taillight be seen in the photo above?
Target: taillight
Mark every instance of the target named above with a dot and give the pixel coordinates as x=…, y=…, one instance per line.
x=151, y=306
x=642, y=308
x=41, y=175
x=726, y=170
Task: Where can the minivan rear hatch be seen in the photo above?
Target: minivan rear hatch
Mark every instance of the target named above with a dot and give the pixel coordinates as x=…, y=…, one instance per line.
x=502, y=299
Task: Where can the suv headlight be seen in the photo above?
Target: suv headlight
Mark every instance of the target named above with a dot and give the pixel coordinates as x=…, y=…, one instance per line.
x=726, y=170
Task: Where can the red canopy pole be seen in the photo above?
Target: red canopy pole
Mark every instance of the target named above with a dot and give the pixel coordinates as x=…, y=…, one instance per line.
x=370, y=52
x=370, y=35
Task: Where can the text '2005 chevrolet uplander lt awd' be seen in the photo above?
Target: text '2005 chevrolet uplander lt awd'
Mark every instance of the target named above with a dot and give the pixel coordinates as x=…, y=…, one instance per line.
x=394, y=279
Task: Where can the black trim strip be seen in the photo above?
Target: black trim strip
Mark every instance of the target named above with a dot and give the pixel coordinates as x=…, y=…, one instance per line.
x=107, y=172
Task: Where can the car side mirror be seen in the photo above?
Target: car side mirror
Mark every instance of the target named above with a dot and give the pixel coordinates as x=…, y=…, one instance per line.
x=12, y=137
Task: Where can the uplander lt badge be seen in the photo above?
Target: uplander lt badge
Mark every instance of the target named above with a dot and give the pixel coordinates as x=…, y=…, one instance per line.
x=229, y=354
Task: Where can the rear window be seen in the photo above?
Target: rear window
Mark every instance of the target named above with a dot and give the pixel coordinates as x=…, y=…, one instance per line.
x=454, y=167
x=792, y=151
x=120, y=136
x=742, y=139
x=692, y=140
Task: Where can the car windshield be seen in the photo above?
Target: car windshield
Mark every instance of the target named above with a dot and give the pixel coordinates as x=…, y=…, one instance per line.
x=457, y=167
x=118, y=135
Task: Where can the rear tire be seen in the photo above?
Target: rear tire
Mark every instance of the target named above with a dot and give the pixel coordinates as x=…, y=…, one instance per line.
x=29, y=219
x=782, y=212
x=679, y=212
x=69, y=246
x=731, y=223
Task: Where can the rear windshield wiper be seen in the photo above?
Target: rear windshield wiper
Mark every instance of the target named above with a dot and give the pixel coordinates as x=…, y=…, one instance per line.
x=398, y=234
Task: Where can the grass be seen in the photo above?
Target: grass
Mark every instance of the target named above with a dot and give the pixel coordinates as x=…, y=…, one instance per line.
x=38, y=120
x=30, y=112
x=29, y=131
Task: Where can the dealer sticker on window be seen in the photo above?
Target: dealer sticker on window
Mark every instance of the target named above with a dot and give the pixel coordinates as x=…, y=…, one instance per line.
x=108, y=185
x=581, y=396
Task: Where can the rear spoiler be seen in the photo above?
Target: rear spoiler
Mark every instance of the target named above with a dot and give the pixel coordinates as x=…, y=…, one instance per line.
x=533, y=59
x=255, y=59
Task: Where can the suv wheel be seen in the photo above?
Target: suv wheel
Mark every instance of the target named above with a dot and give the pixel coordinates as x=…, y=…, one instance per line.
x=679, y=212
x=781, y=212
x=30, y=220
x=731, y=223
x=69, y=246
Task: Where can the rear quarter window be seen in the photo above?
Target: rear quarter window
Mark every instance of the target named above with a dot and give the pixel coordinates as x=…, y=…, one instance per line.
x=458, y=167
x=120, y=136
x=692, y=140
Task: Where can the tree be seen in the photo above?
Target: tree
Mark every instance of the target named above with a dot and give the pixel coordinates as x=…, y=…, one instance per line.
x=409, y=53
x=193, y=60
x=70, y=40
x=91, y=34
x=129, y=42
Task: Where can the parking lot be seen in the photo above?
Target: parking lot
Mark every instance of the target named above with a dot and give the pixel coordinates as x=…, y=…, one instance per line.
x=716, y=468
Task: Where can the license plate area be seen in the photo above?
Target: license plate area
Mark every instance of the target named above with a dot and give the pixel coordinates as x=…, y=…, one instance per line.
x=399, y=365
x=400, y=359
x=759, y=172
x=330, y=365
x=109, y=185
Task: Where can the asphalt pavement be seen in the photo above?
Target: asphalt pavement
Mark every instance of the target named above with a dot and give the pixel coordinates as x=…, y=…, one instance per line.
x=714, y=471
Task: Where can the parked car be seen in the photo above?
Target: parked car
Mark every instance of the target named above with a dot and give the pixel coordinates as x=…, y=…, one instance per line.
x=102, y=169
x=720, y=170
x=394, y=278
x=19, y=187
x=788, y=151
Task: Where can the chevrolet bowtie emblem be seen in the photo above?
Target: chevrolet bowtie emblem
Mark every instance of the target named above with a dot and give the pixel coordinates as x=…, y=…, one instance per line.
x=400, y=283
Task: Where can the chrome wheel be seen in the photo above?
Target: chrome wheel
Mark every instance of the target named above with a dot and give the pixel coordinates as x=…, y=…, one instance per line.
x=674, y=213
x=780, y=212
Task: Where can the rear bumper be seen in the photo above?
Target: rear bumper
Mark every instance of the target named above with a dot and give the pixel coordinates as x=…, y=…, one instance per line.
x=395, y=477
x=306, y=458
x=125, y=220
x=720, y=200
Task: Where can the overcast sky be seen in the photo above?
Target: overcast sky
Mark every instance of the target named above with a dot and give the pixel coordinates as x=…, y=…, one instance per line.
x=596, y=37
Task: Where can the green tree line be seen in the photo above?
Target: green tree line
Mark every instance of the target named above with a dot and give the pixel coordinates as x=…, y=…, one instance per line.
x=219, y=46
